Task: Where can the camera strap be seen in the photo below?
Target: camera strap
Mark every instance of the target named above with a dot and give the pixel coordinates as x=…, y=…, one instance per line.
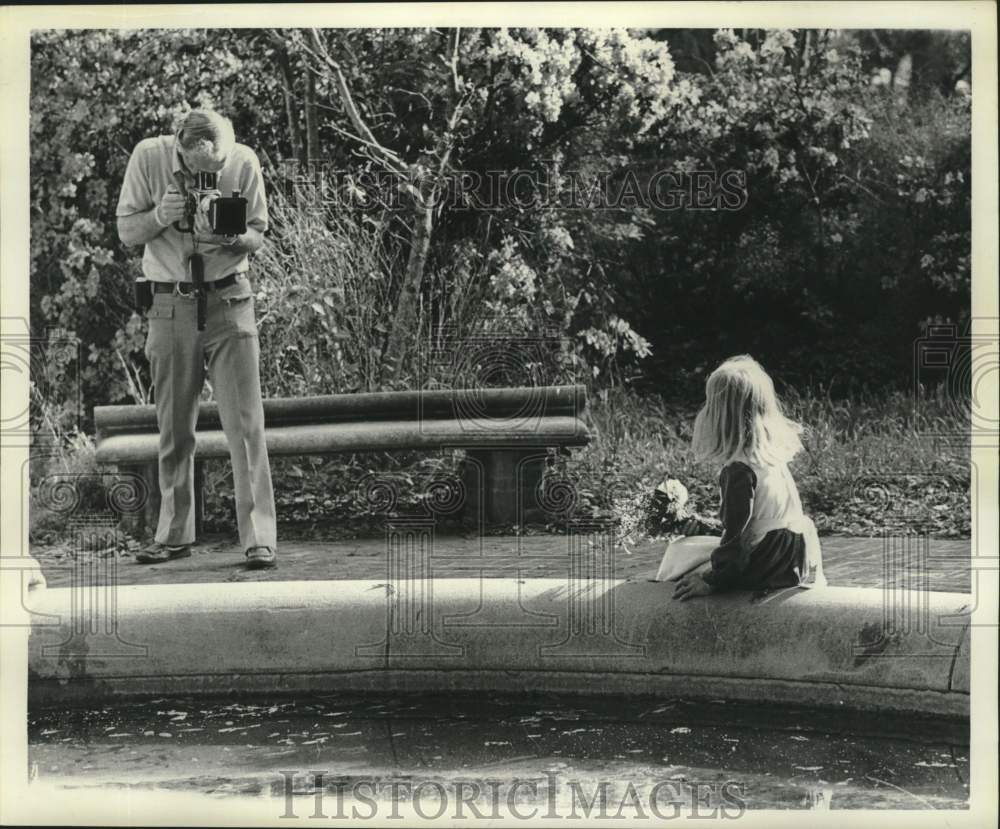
x=196, y=262
x=189, y=206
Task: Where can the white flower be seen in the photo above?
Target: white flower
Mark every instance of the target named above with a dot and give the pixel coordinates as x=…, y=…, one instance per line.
x=675, y=491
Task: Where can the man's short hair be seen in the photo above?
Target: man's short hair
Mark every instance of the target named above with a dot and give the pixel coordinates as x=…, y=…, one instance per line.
x=206, y=132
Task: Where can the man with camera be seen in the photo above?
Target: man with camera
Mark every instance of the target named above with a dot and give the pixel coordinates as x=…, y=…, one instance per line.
x=199, y=304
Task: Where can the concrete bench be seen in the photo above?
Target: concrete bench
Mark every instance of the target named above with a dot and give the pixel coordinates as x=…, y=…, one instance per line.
x=506, y=434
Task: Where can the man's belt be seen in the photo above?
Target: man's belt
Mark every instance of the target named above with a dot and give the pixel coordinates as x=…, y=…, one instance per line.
x=187, y=288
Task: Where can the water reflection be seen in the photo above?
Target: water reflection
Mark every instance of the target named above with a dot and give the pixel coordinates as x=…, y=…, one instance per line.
x=779, y=758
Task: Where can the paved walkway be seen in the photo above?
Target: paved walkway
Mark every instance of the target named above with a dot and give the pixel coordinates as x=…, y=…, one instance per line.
x=861, y=562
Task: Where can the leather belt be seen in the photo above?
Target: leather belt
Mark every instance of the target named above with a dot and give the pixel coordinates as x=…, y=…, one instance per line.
x=187, y=288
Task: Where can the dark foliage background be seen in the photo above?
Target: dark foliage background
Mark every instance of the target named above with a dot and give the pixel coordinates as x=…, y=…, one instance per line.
x=855, y=233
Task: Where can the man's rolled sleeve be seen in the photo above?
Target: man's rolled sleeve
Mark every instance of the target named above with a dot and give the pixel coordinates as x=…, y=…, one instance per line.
x=253, y=182
x=135, y=196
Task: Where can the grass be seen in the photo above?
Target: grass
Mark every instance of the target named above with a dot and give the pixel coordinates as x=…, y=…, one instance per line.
x=871, y=465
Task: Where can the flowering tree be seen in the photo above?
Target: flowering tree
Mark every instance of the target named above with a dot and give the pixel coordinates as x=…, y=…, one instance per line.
x=447, y=104
x=856, y=222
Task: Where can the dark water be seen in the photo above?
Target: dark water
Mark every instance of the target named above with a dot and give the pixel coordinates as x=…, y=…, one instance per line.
x=731, y=756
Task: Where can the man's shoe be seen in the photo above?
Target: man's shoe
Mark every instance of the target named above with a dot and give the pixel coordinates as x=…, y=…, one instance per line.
x=259, y=558
x=162, y=553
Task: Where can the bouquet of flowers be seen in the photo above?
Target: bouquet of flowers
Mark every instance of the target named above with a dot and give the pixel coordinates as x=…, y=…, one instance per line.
x=654, y=513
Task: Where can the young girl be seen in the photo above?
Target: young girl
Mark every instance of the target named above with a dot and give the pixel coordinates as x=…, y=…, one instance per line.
x=767, y=542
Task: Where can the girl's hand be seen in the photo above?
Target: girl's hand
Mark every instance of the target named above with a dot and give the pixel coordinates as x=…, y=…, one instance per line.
x=692, y=584
x=691, y=527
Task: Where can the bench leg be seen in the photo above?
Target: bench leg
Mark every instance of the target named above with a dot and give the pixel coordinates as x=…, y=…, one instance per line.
x=473, y=471
x=151, y=514
x=142, y=522
x=501, y=485
x=199, y=498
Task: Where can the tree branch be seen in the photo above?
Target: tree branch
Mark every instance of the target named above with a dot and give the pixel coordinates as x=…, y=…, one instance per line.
x=285, y=74
x=388, y=157
x=456, y=81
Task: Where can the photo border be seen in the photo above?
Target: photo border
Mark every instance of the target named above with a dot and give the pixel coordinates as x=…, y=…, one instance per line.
x=36, y=804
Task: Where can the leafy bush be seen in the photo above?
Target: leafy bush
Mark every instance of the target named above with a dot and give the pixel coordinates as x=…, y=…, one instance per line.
x=856, y=227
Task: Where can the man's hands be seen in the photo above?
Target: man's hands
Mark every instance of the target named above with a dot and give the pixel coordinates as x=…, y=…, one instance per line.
x=692, y=584
x=171, y=207
x=203, y=230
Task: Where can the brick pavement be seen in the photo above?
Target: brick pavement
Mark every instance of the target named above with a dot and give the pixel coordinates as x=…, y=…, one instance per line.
x=850, y=561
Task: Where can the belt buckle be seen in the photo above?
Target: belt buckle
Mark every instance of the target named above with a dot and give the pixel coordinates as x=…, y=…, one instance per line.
x=179, y=292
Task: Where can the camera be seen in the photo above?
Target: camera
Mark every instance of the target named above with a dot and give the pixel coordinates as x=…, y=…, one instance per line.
x=227, y=215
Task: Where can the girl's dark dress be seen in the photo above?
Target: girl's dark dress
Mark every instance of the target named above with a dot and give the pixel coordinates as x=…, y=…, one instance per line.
x=777, y=560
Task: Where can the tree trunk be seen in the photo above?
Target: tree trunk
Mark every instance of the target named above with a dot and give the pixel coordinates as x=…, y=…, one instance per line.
x=290, y=112
x=806, y=52
x=821, y=245
x=405, y=319
x=903, y=75
x=312, y=123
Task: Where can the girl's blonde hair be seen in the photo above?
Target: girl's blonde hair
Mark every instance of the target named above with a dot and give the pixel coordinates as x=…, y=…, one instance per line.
x=742, y=416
